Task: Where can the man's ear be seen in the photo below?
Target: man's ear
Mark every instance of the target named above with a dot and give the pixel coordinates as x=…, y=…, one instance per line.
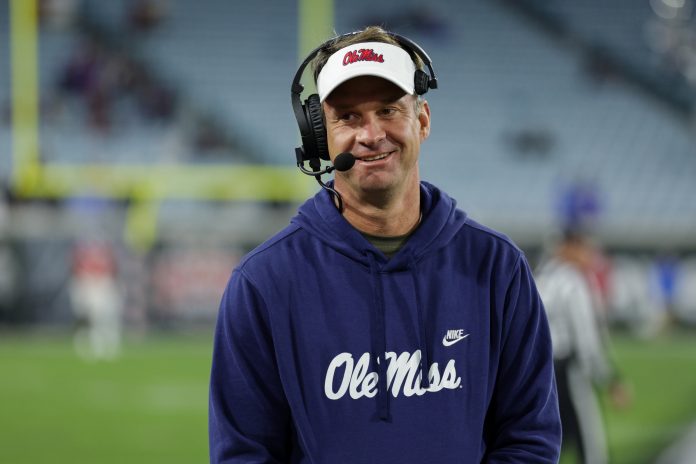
x=424, y=119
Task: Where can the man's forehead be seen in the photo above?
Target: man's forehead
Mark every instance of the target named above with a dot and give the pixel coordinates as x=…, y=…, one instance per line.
x=365, y=88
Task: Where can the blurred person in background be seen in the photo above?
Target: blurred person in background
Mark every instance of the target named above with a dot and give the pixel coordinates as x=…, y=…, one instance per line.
x=383, y=324
x=8, y=276
x=8, y=261
x=664, y=278
x=96, y=300
x=572, y=298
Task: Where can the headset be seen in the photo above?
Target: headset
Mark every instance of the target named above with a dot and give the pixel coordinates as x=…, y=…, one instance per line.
x=309, y=115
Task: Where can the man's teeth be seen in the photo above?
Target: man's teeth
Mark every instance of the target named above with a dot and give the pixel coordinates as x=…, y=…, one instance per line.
x=376, y=157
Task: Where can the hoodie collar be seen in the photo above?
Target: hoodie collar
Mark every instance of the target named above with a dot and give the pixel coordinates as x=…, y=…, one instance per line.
x=441, y=221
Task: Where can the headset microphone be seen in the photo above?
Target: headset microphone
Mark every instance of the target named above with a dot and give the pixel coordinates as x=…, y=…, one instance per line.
x=342, y=163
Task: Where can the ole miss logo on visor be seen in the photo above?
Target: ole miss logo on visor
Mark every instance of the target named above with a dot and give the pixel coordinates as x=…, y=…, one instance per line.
x=362, y=55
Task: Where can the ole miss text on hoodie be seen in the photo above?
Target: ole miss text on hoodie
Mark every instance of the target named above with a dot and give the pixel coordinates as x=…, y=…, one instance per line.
x=326, y=352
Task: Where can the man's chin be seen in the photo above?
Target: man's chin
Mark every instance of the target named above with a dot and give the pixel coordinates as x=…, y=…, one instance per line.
x=372, y=186
x=376, y=187
x=377, y=182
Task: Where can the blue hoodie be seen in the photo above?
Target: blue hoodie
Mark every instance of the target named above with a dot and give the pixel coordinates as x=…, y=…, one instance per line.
x=321, y=345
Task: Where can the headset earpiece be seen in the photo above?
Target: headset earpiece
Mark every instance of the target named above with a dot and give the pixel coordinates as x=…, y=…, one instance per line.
x=315, y=117
x=421, y=82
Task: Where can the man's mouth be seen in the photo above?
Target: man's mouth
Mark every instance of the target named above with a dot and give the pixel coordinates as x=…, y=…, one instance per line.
x=376, y=157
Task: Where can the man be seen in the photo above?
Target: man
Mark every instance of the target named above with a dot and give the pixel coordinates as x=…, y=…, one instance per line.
x=97, y=300
x=391, y=329
x=571, y=298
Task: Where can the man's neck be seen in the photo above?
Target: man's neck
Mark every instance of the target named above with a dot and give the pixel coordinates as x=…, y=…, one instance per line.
x=383, y=216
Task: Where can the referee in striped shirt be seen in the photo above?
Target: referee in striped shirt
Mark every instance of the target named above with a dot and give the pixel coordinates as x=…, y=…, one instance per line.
x=581, y=363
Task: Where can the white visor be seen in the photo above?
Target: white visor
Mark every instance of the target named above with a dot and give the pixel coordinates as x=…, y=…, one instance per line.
x=367, y=59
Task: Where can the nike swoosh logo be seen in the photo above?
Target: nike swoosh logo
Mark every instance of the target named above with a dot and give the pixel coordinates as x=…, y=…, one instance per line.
x=452, y=342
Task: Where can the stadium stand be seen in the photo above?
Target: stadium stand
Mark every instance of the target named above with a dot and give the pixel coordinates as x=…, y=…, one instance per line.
x=227, y=64
x=5, y=130
x=521, y=115
x=638, y=152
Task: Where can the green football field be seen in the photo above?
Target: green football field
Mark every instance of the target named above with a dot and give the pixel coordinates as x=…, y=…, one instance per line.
x=150, y=405
x=662, y=374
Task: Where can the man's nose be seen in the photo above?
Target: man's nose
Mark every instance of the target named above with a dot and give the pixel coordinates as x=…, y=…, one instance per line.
x=370, y=131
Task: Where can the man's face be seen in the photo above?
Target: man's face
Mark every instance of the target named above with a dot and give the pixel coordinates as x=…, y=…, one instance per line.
x=378, y=123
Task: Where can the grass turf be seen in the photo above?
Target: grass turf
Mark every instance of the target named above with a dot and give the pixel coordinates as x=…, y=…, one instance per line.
x=150, y=405
x=661, y=374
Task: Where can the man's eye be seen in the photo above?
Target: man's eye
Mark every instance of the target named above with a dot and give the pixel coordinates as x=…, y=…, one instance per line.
x=346, y=117
x=387, y=111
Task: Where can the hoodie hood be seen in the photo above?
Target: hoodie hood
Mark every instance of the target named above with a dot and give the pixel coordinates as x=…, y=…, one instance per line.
x=440, y=223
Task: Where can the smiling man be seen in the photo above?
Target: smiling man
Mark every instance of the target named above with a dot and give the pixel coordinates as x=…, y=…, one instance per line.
x=383, y=325
x=383, y=127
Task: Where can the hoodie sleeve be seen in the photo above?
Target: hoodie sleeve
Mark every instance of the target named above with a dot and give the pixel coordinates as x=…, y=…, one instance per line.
x=523, y=423
x=248, y=415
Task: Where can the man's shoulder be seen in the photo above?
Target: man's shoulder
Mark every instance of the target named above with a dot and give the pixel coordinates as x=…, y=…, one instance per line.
x=486, y=236
x=456, y=215
x=268, y=252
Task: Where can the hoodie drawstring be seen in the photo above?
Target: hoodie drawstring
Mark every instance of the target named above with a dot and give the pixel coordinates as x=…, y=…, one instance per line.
x=378, y=338
x=379, y=344
x=425, y=353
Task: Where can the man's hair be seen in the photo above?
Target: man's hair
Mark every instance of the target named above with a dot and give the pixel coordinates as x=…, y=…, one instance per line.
x=369, y=34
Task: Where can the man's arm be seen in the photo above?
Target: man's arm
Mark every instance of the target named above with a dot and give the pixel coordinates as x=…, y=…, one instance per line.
x=523, y=423
x=248, y=416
